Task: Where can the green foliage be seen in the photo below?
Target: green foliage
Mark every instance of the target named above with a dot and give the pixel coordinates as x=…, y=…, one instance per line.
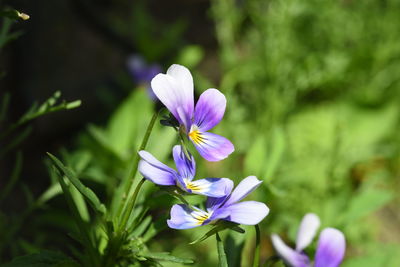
x=42, y=259
x=313, y=109
x=85, y=191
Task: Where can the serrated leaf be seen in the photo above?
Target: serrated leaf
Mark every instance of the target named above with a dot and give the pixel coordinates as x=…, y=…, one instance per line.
x=85, y=191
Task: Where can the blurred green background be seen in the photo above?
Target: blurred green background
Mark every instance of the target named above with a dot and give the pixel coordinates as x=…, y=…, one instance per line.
x=313, y=90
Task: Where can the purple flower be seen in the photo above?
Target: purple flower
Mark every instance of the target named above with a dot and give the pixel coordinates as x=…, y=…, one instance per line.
x=330, y=250
x=143, y=72
x=225, y=208
x=159, y=173
x=175, y=90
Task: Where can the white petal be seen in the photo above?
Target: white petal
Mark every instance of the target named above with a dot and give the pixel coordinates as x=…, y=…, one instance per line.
x=307, y=230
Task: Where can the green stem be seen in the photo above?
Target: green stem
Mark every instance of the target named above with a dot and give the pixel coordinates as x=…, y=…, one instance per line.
x=135, y=162
x=130, y=205
x=183, y=143
x=221, y=252
x=256, y=260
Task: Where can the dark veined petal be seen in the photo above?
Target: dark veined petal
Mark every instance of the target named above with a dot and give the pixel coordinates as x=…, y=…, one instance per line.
x=292, y=257
x=182, y=217
x=307, y=230
x=186, y=167
x=331, y=248
x=212, y=187
x=211, y=146
x=245, y=187
x=175, y=90
x=213, y=203
x=155, y=171
x=210, y=109
x=246, y=212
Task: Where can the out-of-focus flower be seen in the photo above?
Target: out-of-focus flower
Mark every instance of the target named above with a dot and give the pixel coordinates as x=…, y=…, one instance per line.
x=175, y=90
x=142, y=72
x=330, y=250
x=159, y=173
x=225, y=208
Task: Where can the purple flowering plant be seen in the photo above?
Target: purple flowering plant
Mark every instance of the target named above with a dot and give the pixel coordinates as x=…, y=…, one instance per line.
x=330, y=249
x=224, y=208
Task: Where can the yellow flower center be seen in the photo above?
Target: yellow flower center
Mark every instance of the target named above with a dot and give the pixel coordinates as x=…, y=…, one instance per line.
x=196, y=137
x=192, y=186
x=201, y=217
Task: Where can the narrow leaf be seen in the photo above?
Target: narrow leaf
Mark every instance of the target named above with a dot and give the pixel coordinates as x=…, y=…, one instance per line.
x=164, y=256
x=85, y=191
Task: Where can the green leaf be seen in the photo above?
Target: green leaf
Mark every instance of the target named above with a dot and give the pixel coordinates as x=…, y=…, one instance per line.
x=42, y=259
x=128, y=123
x=255, y=159
x=85, y=191
x=139, y=230
x=222, y=261
x=190, y=56
x=14, y=177
x=367, y=202
x=164, y=256
x=13, y=14
x=155, y=228
x=275, y=153
x=220, y=226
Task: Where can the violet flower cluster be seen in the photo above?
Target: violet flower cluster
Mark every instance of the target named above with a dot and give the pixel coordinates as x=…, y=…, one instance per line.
x=175, y=90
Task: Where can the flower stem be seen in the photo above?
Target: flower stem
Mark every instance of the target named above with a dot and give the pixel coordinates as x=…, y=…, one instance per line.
x=135, y=162
x=256, y=260
x=221, y=252
x=130, y=205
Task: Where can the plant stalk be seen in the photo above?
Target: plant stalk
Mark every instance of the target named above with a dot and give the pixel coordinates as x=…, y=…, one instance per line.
x=135, y=162
x=256, y=260
x=221, y=252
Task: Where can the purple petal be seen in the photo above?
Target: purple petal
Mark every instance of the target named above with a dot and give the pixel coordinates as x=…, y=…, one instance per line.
x=213, y=203
x=212, y=187
x=140, y=70
x=247, y=212
x=182, y=217
x=186, y=167
x=155, y=171
x=210, y=109
x=211, y=146
x=331, y=248
x=307, y=230
x=245, y=187
x=175, y=91
x=289, y=255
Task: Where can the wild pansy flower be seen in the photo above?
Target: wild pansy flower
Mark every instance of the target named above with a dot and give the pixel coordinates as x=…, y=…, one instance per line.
x=225, y=208
x=159, y=173
x=142, y=72
x=175, y=90
x=330, y=249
